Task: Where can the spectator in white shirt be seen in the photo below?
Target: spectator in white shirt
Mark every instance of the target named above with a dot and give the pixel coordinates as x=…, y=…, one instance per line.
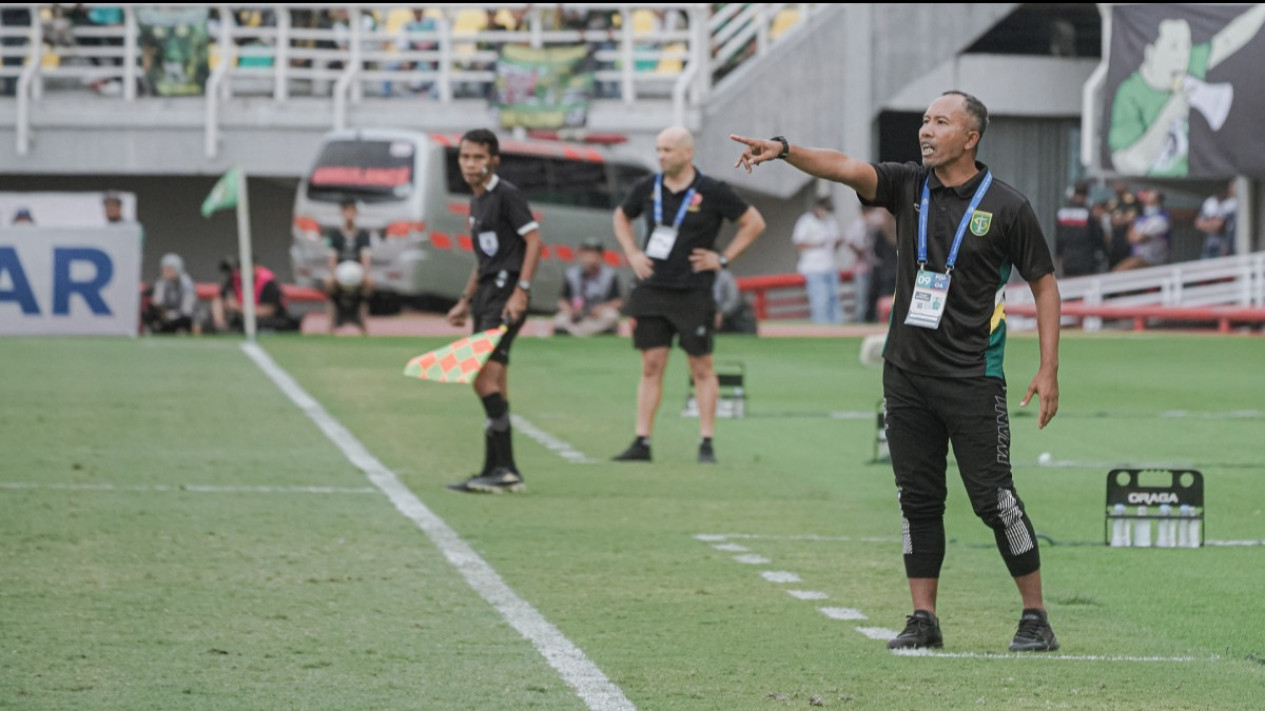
x=817, y=237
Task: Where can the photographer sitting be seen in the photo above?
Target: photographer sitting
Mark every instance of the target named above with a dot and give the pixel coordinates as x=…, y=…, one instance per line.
x=591, y=298
x=270, y=309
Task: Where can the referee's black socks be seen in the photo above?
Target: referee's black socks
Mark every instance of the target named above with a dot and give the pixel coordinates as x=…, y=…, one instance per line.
x=499, y=450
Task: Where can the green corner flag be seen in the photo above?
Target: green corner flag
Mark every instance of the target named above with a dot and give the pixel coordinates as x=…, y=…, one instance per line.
x=223, y=195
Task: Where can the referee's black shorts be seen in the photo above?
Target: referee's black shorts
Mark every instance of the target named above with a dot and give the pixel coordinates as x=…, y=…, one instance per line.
x=486, y=309
x=661, y=314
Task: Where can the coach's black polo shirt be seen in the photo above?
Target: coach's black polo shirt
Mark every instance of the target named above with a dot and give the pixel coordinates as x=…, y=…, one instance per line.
x=498, y=220
x=971, y=339
x=713, y=203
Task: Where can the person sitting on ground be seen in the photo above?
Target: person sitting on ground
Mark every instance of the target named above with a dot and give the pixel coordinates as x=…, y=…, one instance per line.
x=348, y=288
x=591, y=297
x=270, y=308
x=174, y=298
x=733, y=312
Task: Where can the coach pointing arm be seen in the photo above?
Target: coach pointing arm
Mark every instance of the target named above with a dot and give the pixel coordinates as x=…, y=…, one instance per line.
x=817, y=162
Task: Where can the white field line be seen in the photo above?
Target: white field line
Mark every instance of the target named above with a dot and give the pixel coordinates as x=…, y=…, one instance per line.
x=576, y=669
x=731, y=548
x=549, y=442
x=842, y=613
x=780, y=576
x=1042, y=656
x=879, y=633
x=884, y=634
x=752, y=559
x=197, y=488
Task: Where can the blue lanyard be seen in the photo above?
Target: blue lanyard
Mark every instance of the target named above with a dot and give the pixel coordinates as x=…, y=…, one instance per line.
x=658, y=203
x=925, y=208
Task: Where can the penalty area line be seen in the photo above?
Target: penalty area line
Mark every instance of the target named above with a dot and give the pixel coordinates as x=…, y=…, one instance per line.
x=592, y=686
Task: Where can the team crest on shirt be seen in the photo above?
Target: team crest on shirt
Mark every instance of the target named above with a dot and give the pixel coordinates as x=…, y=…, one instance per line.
x=696, y=202
x=980, y=222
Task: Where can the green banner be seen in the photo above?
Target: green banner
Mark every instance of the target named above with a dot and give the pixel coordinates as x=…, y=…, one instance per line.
x=174, y=50
x=543, y=88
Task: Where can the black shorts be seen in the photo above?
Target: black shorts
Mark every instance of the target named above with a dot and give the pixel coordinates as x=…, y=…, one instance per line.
x=663, y=313
x=486, y=309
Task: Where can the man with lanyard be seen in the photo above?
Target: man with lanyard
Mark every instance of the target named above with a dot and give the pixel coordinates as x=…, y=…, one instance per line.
x=960, y=231
x=684, y=212
x=507, y=245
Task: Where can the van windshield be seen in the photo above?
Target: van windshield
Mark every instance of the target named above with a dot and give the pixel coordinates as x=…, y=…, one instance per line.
x=369, y=171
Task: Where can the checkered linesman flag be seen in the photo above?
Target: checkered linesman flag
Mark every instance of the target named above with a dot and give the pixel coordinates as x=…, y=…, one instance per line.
x=457, y=362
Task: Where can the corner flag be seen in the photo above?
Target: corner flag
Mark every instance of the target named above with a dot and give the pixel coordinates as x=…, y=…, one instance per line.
x=223, y=195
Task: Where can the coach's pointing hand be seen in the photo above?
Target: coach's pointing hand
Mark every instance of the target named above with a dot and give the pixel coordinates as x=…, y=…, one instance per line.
x=758, y=151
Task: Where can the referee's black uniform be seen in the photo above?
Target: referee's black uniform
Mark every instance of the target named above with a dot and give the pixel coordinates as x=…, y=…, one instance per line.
x=498, y=220
x=945, y=385
x=676, y=300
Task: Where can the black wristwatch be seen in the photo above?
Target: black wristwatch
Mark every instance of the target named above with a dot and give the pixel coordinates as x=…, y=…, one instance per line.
x=724, y=262
x=786, y=146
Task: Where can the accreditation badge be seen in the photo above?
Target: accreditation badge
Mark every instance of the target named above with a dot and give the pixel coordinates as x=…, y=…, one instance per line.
x=661, y=242
x=931, y=292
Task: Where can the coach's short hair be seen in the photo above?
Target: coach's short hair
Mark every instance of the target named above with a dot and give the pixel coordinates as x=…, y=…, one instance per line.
x=483, y=137
x=975, y=108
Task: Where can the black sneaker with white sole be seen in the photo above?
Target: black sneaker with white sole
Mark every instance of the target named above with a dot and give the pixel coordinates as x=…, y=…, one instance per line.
x=1034, y=634
x=499, y=481
x=922, y=631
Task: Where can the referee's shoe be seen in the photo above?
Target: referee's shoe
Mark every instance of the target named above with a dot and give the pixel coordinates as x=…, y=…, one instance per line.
x=922, y=630
x=500, y=480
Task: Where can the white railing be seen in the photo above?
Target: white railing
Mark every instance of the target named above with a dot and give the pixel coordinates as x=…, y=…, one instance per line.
x=444, y=55
x=1237, y=281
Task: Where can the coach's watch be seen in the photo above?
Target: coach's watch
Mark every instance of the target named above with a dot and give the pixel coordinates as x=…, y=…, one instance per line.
x=724, y=262
x=786, y=146
x=525, y=286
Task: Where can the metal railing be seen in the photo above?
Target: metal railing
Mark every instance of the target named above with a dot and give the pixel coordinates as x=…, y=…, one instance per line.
x=442, y=53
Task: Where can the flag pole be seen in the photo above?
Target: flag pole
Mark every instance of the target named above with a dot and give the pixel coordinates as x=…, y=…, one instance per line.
x=245, y=257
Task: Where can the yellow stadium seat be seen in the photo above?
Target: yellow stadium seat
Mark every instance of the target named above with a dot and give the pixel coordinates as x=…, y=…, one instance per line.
x=672, y=65
x=783, y=21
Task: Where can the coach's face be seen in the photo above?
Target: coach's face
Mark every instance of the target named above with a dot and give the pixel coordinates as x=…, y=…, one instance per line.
x=477, y=163
x=948, y=132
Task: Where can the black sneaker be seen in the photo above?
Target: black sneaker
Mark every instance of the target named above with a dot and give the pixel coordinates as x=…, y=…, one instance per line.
x=922, y=629
x=1035, y=633
x=636, y=452
x=706, y=455
x=500, y=480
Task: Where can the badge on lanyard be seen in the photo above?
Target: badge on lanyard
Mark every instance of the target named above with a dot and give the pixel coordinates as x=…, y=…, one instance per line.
x=931, y=289
x=663, y=237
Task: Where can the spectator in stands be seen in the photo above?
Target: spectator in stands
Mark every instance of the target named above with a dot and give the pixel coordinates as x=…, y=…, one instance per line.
x=12, y=17
x=733, y=312
x=1150, y=233
x=591, y=297
x=173, y=300
x=1078, y=240
x=348, y=295
x=1123, y=210
x=1216, y=222
x=816, y=236
x=411, y=42
x=270, y=308
x=112, y=204
x=23, y=216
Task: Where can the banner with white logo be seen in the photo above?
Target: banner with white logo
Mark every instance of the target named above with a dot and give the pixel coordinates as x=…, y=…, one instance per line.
x=70, y=281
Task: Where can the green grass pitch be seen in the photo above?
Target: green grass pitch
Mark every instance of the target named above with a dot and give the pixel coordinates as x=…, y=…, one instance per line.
x=176, y=534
